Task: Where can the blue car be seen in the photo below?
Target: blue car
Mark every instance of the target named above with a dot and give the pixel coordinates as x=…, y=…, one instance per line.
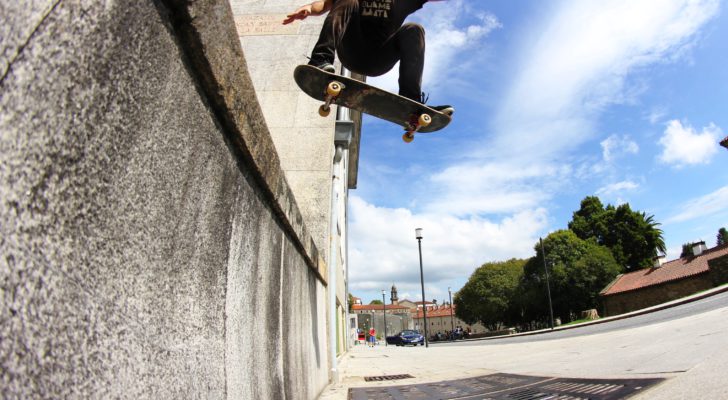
x=406, y=337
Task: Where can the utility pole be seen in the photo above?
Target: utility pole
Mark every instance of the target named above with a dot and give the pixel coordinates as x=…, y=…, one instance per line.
x=548, y=286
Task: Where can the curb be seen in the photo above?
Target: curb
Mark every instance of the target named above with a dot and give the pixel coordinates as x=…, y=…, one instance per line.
x=659, y=307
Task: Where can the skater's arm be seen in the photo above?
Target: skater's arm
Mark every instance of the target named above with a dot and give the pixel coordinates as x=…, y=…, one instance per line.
x=316, y=8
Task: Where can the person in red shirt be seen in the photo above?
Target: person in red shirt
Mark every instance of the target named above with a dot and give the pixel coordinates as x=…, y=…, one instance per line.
x=372, y=336
x=370, y=37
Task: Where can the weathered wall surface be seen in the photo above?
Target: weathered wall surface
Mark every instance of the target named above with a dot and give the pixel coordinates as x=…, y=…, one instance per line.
x=149, y=244
x=303, y=139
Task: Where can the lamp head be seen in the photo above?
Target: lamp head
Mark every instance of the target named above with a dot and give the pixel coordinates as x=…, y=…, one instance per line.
x=418, y=233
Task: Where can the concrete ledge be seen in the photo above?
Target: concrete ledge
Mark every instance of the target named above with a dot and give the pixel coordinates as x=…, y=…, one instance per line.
x=206, y=32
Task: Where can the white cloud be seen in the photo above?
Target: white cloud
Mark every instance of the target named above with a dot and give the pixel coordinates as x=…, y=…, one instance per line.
x=701, y=207
x=496, y=187
x=383, y=248
x=617, y=188
x=683, y=145
x=656, y=115
x=581, y=61
x=616, y=146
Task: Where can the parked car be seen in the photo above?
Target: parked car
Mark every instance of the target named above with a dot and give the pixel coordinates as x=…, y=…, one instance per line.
x=406, y=337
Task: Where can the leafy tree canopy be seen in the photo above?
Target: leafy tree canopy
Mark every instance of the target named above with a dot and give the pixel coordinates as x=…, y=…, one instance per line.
x=722, y=237
x=376, y=302
x=633, y=237
x=687, y=250
x=487, y=296
x=578, y=271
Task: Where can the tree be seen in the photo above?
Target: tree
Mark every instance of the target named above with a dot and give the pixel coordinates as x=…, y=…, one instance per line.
x=379, y=302
x=633, y=237
x=590, y=220
x=722, y=237
x=687, y=250
x=488, y=294
x=578, y=271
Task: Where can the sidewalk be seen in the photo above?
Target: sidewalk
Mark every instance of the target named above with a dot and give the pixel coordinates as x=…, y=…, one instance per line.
x=689, y=352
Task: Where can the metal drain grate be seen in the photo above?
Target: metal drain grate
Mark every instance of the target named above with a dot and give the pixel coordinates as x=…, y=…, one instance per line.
x=506, y=387
x=387, y=378
x=538, y=395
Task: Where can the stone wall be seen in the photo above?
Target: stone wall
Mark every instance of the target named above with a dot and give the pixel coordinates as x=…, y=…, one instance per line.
x=150, y=245
x=621, y=303
x=719, y=270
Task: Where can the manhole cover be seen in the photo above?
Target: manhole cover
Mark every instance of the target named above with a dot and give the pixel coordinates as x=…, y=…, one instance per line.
x=507, y=387
x=387, y=378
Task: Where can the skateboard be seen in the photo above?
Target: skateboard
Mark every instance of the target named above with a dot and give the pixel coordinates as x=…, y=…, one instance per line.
x=351, y=93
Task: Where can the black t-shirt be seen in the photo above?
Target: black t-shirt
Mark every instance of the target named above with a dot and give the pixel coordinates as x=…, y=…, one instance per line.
x=381, y=18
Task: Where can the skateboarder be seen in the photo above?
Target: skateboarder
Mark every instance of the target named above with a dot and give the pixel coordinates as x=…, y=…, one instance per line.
x=370, y=38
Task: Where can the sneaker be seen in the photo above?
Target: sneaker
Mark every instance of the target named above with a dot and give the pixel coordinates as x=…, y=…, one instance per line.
x=324, y=66
x=447, y=110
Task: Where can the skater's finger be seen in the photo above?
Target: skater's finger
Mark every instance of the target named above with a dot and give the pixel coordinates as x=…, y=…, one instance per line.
x=298, y=14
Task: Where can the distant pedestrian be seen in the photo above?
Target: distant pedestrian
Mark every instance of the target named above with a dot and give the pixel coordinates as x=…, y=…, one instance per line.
x=372, y=336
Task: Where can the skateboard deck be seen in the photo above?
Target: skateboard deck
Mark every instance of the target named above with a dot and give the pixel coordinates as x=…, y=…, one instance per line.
x=351, y=93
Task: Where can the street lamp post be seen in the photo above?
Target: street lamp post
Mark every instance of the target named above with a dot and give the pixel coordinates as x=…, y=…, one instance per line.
x=452, y=322
x=418, y=234
x=548, y=286
x=384, y=309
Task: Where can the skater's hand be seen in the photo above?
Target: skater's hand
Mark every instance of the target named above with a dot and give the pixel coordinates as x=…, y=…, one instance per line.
x=301, y=13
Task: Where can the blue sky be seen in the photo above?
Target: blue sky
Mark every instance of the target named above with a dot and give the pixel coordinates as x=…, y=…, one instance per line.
x=555, y=101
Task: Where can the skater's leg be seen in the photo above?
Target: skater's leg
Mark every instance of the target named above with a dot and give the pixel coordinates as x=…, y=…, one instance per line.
x=342, y=20
x=324, y=51
x=406, y=46
x=410, y=41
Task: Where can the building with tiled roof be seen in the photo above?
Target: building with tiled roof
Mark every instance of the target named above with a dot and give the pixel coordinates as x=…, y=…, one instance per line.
x=667, y=281
x=439, y=320
x=378, y=308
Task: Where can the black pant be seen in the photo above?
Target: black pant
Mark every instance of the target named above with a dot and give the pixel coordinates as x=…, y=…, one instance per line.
x=366, y=57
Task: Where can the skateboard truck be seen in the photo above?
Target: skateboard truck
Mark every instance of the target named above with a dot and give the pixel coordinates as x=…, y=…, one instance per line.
x=414, y=124
x=332, y=92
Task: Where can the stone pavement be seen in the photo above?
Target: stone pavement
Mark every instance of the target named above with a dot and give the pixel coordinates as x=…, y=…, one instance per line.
x=687, y=352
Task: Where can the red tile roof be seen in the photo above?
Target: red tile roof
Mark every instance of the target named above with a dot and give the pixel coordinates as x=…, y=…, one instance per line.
x=441, y=311
x=377, y=307
x=670, y=271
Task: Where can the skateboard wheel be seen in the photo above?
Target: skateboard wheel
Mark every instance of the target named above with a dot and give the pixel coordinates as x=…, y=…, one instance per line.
x=424, y=120
x=334, y=88
x=408, y=137
x=324, y=111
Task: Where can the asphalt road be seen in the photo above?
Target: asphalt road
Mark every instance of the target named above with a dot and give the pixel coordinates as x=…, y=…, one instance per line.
x=684, y=310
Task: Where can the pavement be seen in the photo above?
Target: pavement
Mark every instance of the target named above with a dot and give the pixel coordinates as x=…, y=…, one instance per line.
x=689, y=354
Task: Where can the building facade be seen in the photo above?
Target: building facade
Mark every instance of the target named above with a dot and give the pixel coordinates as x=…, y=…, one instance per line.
x=666, y=281
x=441, y=319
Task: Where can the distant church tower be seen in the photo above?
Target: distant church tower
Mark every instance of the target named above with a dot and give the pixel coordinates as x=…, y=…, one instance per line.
x=394, y=298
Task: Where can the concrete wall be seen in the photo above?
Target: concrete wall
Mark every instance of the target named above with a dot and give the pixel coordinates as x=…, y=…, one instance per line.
x=150, y=244
x=305, y=141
